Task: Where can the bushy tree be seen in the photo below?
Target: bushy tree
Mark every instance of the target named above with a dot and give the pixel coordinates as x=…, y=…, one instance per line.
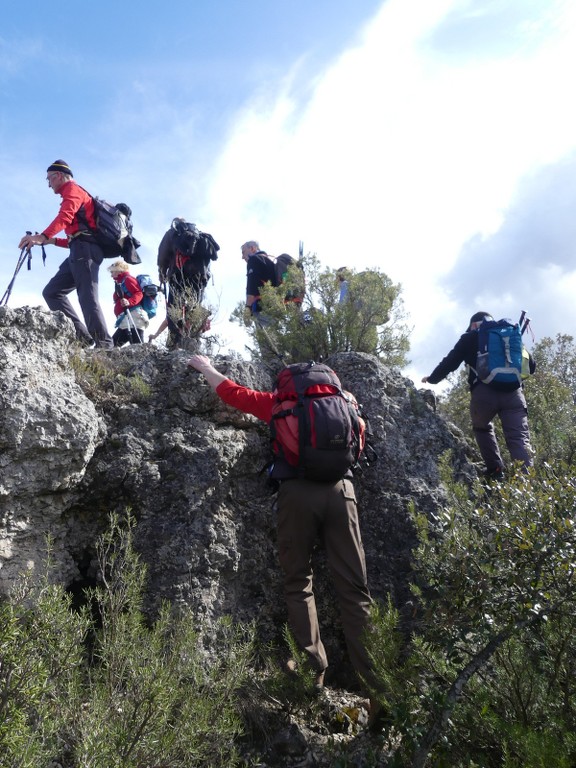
x=487, y=676
x=371, y=320
x=454, y=404
x=551, y=396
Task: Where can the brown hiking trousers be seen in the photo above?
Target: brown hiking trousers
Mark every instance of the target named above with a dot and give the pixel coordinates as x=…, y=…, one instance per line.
x=306, y=510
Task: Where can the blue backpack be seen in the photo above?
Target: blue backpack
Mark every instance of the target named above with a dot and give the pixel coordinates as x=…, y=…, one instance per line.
x=150, y=290
x=500, y=354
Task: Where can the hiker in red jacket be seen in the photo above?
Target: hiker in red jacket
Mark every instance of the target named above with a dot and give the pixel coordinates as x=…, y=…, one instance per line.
x=305, y=509
x=132, y=318
x=79, y=271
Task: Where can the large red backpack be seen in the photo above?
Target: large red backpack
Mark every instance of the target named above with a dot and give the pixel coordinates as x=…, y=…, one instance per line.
x=316, y=426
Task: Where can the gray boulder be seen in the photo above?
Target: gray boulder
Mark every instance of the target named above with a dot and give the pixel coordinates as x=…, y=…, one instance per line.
x=84, y=433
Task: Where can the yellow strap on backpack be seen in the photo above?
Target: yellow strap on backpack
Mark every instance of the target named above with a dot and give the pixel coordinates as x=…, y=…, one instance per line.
x=525, y=372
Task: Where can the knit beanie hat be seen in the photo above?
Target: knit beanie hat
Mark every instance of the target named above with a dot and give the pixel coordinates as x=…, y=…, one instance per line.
x=60, y=166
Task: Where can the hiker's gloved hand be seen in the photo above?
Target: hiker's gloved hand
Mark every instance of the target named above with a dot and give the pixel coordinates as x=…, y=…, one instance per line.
x=124, y=302
x=247, y=316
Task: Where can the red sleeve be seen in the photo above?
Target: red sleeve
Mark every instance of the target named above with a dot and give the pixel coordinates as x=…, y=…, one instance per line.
x=133, y=287
x=73, y=198
x=251, y=401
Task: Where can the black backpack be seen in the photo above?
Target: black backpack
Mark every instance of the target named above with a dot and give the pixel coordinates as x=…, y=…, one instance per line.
x=316, y=427
x=113, y=231
x=281, y=267
x=193, y=251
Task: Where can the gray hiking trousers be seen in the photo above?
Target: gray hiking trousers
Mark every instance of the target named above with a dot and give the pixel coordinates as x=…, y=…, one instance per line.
x=485, y=404
x=80, y=272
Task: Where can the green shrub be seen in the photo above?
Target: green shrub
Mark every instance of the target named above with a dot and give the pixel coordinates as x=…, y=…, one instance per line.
x=41, y=671
x=134, y=695
x=105, y=378
x=488, y=674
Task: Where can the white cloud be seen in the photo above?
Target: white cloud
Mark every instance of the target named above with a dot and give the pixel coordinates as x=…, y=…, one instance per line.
x=399, y=154
x=405, y=148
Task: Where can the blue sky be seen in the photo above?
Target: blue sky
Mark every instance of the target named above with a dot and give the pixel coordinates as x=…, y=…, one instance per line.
x=435, y=139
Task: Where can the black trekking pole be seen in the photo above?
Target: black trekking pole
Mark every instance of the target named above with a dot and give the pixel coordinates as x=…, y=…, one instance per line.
x=29, y=265
x=25, y=253
x=524, y=322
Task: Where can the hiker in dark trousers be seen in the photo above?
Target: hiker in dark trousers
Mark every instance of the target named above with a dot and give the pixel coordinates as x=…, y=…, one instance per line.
x=488, y=401
x=132, y=318
x=307, y=508
x=79, y=271
x=260, y=269
x=184, y=255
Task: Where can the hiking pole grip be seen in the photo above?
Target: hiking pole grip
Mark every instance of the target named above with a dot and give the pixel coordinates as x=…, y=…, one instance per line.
x=522, y=316
x=29, y=253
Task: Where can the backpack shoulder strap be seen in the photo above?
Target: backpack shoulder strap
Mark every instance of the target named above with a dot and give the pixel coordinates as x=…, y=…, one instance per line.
x=123, y=290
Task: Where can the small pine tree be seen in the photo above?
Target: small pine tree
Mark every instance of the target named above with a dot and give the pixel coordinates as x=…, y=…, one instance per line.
x=371, y=320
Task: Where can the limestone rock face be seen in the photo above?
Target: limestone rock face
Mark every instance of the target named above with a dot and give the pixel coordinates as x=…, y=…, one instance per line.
x=84, y=433
x=49, y=431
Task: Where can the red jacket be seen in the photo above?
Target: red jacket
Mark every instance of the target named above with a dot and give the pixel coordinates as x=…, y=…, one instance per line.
x=251, y=401
x=127, y=287
x=75, y=200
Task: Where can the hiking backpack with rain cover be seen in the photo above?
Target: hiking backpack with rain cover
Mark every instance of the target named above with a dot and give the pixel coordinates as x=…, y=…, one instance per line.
x=316, y=426
x=500, y=354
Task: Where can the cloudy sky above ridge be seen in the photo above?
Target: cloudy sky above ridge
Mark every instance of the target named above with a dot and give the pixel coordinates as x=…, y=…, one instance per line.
x=435, y=139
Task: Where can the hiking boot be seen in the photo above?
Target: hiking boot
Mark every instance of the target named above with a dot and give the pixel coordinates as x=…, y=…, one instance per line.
x=496, y=473
x=375, y=715
x=87, y=342
x=292, y=669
